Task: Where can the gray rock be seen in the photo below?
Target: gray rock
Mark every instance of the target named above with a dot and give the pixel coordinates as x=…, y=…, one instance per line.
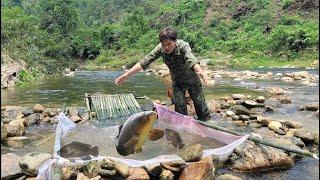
x=284, y=99
x=91, y=169
x=192, y=153
x=306, y=136
x=31, y=162
x=280, y=131
x=241, y=110
x=26, y=111
x=34, y=119
x=235, y=118
x=252, y=157
x=244, y=117
x=10, y=168
x=238, y=96
x=250, y=104
x=51, y=112
x=107, y=173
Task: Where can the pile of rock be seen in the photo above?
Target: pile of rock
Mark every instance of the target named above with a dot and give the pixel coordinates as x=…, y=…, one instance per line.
x=14, y=119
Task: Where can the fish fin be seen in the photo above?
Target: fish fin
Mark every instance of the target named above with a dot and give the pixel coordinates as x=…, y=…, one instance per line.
x=120, y=128
x=95, y=151
x=155, y=134
x=131, y=142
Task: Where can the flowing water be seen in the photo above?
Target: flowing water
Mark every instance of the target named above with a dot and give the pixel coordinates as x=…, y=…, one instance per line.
x=53, y=92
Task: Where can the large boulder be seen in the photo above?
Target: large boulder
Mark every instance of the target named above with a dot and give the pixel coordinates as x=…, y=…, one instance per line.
x=15, y=128
x=252, y=157
x=10, y=168
x=192, y=153
x=203, y=169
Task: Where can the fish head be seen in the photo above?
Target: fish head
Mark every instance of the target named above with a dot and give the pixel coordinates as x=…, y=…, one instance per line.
x=134, y=131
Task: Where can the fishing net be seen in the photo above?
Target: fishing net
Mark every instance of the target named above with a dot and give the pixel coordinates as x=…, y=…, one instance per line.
x=214, y=142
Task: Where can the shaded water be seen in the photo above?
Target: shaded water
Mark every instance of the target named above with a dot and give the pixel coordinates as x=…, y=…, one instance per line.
x=53, y=92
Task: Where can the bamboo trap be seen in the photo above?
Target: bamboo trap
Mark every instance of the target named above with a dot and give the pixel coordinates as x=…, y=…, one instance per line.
x=109, y=106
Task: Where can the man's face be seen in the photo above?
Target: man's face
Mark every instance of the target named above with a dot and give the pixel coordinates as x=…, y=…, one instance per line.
x=168, y=45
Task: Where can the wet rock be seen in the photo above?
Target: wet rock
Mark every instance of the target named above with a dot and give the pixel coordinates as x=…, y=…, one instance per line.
x=276, y=91
x=166, y=175
x=10, y=113
x=244, y=117
x=255, y=125
x=230, y=113
x=154, y=169
x=298, y=142
x=192, y=153
x=31, y=162
x=202, y=169
x=312, y=107
x=284, y=99
x=235, y=118
x=252, y=157
x=4, y=132
x=91, y=169
x=292, y=124
x=260, y=99
x=51, y=112
x=137, y=174
x=107, y=164
x=34, y=119
x=250, y=104
x=280, y=131
x=26, y=111
x=122, y=169
x=107, y=173
x=238, y=96
x=10, y=168
x=264, y=121
x=228, y=177
x=306, y=136
x=253, y=117
x=15, y=128
x=241, y=110
x=274, y=125
x=68, y=172
x=286, y=79
x=38, y=108
x=239, y=123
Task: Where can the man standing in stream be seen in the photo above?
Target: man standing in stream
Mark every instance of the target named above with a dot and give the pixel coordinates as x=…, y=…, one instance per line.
x=184, y=69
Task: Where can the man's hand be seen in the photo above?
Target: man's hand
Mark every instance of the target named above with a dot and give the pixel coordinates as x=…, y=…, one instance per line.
x=120, y=79
x=204, y=77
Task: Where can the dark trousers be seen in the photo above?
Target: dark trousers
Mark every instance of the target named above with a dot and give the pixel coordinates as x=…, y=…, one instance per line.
x=197, y=96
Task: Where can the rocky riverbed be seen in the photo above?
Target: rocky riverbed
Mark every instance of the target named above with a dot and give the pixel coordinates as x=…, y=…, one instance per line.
x=242, y=112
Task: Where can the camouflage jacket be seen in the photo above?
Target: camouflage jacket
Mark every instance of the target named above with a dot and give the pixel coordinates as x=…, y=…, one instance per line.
x=180, y=62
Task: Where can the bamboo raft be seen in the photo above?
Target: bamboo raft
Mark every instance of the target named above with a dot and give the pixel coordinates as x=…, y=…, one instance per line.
x=109, y=106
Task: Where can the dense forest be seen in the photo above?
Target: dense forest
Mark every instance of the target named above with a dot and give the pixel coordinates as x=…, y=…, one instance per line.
x=50, y=35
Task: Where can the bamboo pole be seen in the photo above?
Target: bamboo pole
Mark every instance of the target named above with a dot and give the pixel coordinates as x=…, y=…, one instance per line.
x=262, y=141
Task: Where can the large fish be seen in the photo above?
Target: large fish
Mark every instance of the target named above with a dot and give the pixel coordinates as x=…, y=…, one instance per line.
x=78, y=149
x=134, y=132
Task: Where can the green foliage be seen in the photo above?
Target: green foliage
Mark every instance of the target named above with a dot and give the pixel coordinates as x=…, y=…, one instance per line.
x=51, y=35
